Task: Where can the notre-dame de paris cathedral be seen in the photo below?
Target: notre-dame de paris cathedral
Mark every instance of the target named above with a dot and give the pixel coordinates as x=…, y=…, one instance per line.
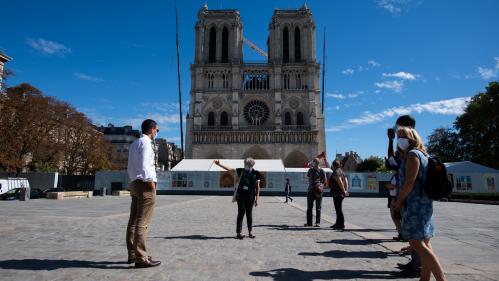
x=265, y=110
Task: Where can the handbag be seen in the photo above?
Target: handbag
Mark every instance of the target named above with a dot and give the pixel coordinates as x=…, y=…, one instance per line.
x=318, y=188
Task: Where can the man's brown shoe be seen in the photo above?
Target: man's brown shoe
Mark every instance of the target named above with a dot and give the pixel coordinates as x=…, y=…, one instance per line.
x=148, y=263
x=132, y=260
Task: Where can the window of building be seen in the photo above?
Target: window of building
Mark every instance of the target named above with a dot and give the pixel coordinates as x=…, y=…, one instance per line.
x=285, y=45
x=225, y=45
x=211, y=81
x=211, y=119
x=287, y=119
x=212, y=49
x=224, y=119
x=298, y=81
x=297, y=45
x=299, y=119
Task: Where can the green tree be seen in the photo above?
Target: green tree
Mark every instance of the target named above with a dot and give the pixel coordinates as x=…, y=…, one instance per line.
x=372, y=164
x=478, y=127
x=445, y=143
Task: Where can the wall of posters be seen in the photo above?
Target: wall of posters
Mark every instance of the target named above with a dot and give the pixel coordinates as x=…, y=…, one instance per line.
x=464, y=183
x=372, y=183
x=357, y=181
x=489, y=183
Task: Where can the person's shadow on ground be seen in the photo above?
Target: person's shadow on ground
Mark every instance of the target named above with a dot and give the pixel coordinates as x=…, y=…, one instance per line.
x=197, y=237
x=43, y=264
x=286, y=274
x=349, y=254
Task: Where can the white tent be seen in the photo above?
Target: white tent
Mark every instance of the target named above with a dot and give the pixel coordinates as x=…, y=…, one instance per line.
x=468, y=167
x=207, y=165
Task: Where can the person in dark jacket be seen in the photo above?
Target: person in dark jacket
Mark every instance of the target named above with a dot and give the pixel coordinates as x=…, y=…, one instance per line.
x=287, y=189
x=339, y=190
x=316, y=180
x=248, y=193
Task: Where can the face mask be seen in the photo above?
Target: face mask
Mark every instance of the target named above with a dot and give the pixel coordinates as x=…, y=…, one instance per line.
x=403, y=143
x=247, y=168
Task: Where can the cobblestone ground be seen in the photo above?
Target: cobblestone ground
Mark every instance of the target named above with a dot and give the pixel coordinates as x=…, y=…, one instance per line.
x=83, y=239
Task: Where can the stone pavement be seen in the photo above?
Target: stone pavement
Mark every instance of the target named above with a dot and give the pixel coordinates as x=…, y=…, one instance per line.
x=84, y=239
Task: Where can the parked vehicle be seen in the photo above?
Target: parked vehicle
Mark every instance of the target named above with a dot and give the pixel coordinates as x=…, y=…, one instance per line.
x=7, y=184
x=36, y=193
x=53, y=189
x=11, y=194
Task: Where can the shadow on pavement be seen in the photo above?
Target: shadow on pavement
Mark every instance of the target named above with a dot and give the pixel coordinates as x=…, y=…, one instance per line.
x=291, y=227
x=39, y=264
x=356, y=242
x=285, y=274
x=197, y=237
x=349, y=254
x=374, y=230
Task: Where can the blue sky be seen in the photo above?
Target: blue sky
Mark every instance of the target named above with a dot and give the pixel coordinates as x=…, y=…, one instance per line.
x=116, y=62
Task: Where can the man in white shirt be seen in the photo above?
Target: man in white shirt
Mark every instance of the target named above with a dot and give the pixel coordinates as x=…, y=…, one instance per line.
x=142, y=175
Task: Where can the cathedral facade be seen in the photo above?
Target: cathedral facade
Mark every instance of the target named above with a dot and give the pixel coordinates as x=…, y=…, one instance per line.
x=265, y=110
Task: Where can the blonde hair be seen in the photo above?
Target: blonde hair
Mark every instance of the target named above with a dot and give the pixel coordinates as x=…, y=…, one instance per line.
x=415, y=141
x=249, y=161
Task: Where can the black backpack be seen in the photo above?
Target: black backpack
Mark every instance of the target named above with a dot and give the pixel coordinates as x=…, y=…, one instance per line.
x=437, y=185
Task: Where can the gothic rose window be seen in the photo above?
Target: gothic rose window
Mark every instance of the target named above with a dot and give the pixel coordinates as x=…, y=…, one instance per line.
x=256, y=113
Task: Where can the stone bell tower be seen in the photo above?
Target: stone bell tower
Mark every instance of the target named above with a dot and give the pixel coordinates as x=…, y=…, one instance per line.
x=267, y=109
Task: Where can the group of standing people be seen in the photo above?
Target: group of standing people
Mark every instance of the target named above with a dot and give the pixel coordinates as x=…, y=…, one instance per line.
x=337, y=183
x=410, y=208
x=408, y=200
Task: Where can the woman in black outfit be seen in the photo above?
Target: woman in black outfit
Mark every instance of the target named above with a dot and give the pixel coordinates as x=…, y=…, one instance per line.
x=248, y=193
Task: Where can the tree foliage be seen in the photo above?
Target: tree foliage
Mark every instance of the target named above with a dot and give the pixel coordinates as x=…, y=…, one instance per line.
x=475, y=136
x=41, y=133
x=372, y=164
x=445, y=143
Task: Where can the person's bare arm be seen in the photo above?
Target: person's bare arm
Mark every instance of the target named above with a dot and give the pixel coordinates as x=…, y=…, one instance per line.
x=227, y=168
x=391, y=135
x=257, y=192
x=411, y=173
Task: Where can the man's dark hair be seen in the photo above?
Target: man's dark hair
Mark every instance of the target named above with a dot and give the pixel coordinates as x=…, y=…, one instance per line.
x=147, y=126
x=406, y=121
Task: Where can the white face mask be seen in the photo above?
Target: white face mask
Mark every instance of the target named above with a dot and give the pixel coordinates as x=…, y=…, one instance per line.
x=247, y=168
x=403, y=143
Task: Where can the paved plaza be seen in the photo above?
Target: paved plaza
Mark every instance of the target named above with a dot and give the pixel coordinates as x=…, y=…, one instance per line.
x=84, y=239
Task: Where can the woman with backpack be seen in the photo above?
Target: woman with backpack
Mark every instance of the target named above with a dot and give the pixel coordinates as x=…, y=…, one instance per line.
x=417, y=224
x=247, y=194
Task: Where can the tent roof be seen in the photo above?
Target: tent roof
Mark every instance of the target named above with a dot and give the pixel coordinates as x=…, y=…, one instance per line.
x=468, y=167
x=264, y=165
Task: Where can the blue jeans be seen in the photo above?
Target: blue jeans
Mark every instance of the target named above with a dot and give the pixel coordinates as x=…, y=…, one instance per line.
x=311, y=197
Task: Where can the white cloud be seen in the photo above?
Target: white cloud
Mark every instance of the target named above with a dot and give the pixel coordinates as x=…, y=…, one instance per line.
x=487, y=73
x=395, y=85
x=348, y=71
x=336, y=96
x=374, y=63
x=342, y=97
x=402, y=75
x=497, y=62
x=47, y=47
x=393, y=6
x=444, y=107
x=86, y=77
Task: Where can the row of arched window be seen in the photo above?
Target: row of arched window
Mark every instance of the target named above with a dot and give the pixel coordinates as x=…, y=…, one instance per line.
x=299, y=119
x=285, y=45
x=224, y=119
x=218, y=82
x=212, y=45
